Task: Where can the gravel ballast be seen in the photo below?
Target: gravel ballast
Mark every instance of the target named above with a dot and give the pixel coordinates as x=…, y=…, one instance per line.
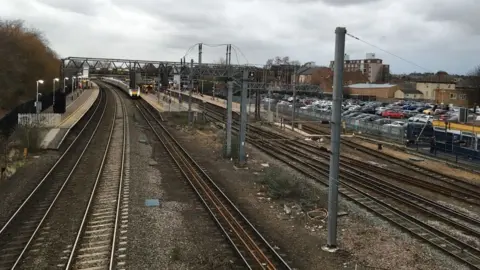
x=365, y=240
x=177, y=234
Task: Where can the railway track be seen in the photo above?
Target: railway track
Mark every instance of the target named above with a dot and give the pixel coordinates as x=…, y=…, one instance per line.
x=460, y=192
x=17, y=234
x=467, y=193
x=405, y=164
x=250, y=245
x=97, y=237
x=381, y=198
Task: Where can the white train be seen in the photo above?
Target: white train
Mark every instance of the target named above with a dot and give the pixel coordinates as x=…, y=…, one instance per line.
x=133, y=93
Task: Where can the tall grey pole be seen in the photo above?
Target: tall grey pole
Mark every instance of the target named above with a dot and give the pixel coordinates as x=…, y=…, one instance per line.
x=226, y=56
x=36, y=101
x=228, y=149
x=294, y=96
x=269, y=113
x=190, y=94
x=200, y=45
x=228, y=143
x=53, y=92
x=229, y=54
x=243, y=118
x=335, y=138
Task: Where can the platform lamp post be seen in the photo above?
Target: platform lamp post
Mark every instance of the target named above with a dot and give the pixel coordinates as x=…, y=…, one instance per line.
x=65, y=83
x=36, y=103
x=73, y=84
x=53, y=90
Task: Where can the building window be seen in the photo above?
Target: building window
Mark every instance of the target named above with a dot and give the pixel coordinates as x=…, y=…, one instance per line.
x=453, y=96
x=462, y=96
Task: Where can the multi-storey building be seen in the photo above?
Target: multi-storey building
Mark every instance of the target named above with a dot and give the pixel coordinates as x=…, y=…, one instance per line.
x=372, y=67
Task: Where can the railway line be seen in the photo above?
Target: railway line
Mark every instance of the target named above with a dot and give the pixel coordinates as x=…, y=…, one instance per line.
x=253, y=249
x=391, y=202
x=21, y=232
x=441, y=177
x=74, y=218
x=449, y=186
x=97, y=237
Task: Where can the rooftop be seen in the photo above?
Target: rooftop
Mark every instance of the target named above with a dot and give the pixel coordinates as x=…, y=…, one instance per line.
x=371, y=85
x=410, y=91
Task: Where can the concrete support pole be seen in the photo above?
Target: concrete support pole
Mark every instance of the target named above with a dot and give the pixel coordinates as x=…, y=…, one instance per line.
x=243, y=119
x=269, y=113
x=294, y=97
x=190, y=94
x=229, y=55
x=228, y=143
x=340, y=33
x=200, y=53
x=62, y=75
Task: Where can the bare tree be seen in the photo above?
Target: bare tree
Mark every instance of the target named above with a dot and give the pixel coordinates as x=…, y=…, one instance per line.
x=26, y=58
x=295, y=63
x=269, y=63
x=473, y=78
x=285, y=60
x=220, y=61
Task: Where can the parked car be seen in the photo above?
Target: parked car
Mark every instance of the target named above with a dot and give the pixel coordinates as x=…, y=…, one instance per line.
x=371, y=117
x=396, y=124
x=380, y=110
x=393, y=114
x=382, y=121
x=420, y=118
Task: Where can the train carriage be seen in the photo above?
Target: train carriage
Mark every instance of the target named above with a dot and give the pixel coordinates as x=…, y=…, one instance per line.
x=132, y=92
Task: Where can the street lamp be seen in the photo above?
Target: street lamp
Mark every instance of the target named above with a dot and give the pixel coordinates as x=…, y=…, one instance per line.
x=36, y=103
x=65, y=79
x=73, y=80
x=53, y=91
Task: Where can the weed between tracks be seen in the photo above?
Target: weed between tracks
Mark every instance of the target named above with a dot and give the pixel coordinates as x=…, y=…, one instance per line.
x=280, y=186
x=175, y=254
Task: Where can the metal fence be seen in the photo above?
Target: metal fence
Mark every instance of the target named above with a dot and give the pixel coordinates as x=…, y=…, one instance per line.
x=10, y=120
x=39, y=120
x=388, y=133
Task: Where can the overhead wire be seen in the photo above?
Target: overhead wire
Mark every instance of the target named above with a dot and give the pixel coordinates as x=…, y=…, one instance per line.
x=235, y=48
x=390, y=53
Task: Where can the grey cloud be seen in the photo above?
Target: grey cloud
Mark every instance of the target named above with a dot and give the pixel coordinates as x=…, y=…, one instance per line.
x=84, y=7
x=466, y=15
x=439, y=36
x=334, y=2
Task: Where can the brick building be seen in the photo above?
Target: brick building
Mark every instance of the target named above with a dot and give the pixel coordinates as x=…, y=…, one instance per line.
x=372, y=67
x=371, y=91
x=443, y=88
x=323, y=76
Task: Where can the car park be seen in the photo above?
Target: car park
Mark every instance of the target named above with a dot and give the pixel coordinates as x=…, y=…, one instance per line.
x=393, y=114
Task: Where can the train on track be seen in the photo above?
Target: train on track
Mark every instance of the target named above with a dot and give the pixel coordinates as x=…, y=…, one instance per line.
x=133, y=92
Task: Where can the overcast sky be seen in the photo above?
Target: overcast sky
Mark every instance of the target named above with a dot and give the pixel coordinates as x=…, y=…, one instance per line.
x=434, y=34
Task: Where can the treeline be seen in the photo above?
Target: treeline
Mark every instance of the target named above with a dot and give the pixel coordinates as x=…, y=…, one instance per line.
x=25, y=57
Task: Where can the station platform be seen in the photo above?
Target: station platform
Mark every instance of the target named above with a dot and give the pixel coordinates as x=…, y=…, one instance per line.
x=80, y=103
x=156, y=100
x=217, y=101
x=69, y=100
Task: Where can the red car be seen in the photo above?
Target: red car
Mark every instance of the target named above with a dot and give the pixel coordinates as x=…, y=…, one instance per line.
x=393, y=114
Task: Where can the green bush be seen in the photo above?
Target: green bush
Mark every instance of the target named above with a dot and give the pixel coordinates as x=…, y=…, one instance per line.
x=281, y=186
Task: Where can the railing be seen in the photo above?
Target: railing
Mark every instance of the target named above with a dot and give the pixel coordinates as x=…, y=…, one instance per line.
x=39, y=120
x=388, y=133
